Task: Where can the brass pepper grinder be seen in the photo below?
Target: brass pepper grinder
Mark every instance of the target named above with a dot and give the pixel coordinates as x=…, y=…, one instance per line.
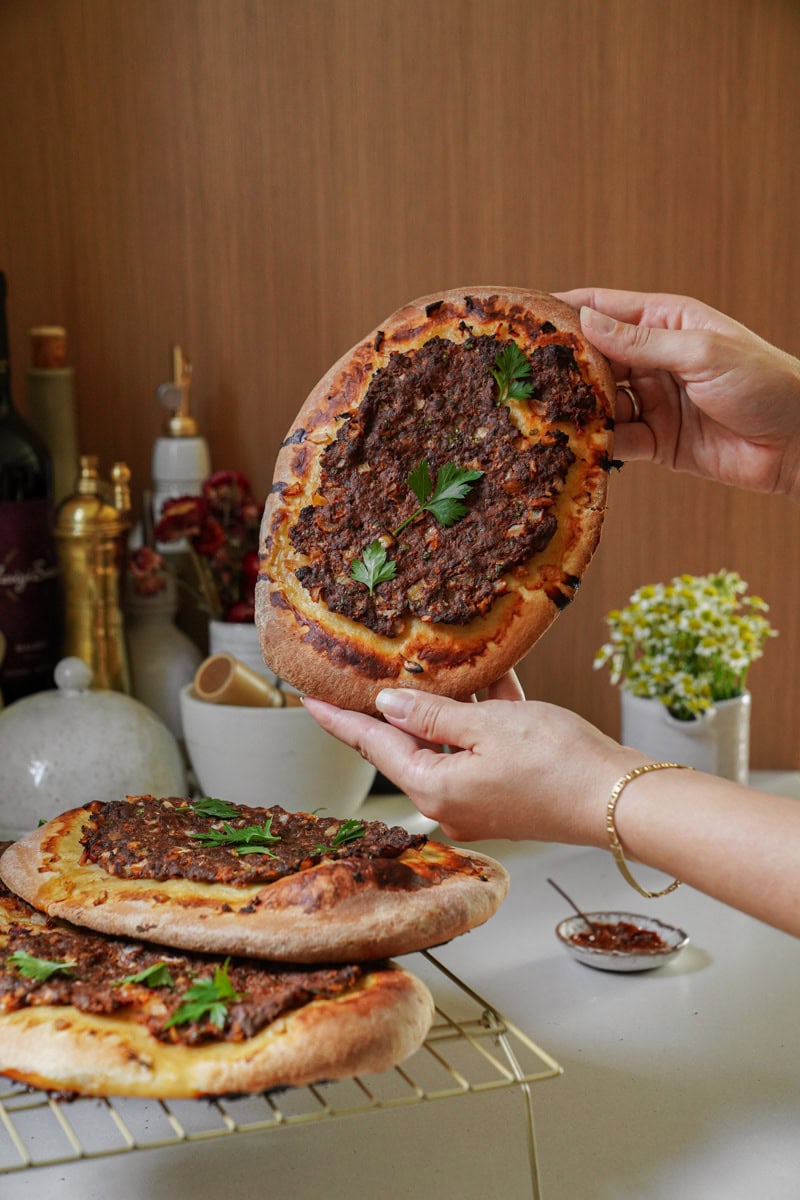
x=91, y=534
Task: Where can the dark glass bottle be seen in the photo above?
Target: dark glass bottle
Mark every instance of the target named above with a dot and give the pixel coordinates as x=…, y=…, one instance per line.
x=30, y=602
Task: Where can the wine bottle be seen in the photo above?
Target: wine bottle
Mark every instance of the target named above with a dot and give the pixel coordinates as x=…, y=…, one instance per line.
x=30, y=602
x=50, y=407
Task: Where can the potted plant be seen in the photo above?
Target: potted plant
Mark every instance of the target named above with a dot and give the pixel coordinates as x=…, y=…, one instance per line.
x=681, y=652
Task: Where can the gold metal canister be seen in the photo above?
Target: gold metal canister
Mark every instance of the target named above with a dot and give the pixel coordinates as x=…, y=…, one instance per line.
x=92, y=527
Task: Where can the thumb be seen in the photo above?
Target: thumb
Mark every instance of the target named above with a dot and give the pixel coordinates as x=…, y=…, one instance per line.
x=431, y=718
x=682, y=351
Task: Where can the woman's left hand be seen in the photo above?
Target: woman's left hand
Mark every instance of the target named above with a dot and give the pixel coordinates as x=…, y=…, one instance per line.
x=513, y=768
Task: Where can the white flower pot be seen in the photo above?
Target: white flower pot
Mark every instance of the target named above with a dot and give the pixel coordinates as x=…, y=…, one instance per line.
x=717, y=742
x=241, y=640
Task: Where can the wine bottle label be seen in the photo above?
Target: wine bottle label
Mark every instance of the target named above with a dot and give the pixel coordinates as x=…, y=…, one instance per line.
x=30, y=606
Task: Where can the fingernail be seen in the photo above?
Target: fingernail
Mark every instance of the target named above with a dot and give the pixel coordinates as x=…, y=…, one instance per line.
x=596, y=321
x=394, y=702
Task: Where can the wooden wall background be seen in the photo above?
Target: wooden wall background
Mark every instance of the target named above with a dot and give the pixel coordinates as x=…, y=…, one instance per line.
x=264, y=180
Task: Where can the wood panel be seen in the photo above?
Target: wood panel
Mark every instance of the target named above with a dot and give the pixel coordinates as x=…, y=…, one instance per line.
x=264, y=180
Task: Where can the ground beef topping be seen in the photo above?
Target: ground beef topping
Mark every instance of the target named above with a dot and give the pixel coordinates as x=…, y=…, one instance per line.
x=88, y=971
x=158, y=839
x=558, y=384
x=439, y=403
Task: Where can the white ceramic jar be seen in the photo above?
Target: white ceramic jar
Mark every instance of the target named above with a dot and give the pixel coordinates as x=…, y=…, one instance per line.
x=64, y=748
x=163, y=659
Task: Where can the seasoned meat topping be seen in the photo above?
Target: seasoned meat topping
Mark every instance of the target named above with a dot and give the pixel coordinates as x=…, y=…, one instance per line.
x=93, y=968
x=559, y=385
x=169, y=839
x=439, y=403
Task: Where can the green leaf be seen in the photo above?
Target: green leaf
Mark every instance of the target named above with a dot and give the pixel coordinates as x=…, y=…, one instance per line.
x=420, y=481
x=373, y=568
x=513, y=371
x=452, y=485
x=207, y=998
x=209, y=806
x=155, y=976
x=252, y=839
x=38, y=968
x=348, y=831
x=444, y=501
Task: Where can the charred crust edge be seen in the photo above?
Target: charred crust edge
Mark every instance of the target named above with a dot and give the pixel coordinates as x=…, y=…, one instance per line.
x=295, y=438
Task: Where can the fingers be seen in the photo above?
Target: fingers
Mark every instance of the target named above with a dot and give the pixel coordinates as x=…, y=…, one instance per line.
x=634, y=441
x=625, y=306
x=684, y=352
x=389, y=749
x=507, y=687
x=431, y=718
x=656, y=309
x=627, y=406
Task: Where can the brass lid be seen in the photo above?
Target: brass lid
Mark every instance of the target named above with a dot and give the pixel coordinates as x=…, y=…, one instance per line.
x=88, y=511
x=174, y=396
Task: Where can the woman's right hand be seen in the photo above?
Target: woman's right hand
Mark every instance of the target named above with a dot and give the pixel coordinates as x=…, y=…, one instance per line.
x=717, y=400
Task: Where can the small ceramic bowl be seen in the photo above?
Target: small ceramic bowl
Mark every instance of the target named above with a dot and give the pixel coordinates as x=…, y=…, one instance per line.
x=634, y=958
x=265, y=756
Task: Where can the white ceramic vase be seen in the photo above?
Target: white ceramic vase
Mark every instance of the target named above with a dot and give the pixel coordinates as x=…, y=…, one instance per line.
x=163, y=659
x=717, y=742
x=241, y=640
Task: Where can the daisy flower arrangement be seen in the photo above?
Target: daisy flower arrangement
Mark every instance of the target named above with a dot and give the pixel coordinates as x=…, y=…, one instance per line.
x=688, y=642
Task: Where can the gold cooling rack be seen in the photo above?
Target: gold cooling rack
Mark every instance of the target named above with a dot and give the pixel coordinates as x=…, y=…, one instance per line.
x=471, y=1048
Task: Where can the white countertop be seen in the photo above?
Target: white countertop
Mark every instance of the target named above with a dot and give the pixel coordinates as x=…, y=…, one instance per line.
x=678, y=1084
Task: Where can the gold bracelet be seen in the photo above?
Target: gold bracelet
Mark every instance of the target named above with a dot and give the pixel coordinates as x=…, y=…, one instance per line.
x=611, y=829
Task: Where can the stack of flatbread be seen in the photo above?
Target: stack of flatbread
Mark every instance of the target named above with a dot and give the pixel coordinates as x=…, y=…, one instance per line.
x=179, y=948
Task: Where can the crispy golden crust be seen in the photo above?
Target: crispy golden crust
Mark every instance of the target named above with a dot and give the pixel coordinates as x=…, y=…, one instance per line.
x=372, y=1026
x=337, y=911
x=328, y=655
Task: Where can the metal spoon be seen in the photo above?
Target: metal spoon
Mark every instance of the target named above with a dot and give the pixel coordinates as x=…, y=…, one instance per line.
x=572, y=904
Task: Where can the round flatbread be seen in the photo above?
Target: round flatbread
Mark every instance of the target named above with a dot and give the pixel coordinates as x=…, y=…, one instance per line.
x=437, y=499
x=290, y=887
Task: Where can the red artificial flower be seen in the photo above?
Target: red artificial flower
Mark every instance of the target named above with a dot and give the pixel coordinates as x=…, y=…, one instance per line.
x=183, y=517
x=222, y=528
x=147, y=569
x=227, y=492
x=241, y=612
x=210, y=538
x=250, y=569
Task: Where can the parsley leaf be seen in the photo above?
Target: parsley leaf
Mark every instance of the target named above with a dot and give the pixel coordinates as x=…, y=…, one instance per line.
x=348, y=831
x=452, y=485
x=444, y=500
x=252, y=839
x=513, y=370
x=207, y=998
x=155, y=976
x=420, y=481
x=373, y=568
x=209, y=806
x=38, y=968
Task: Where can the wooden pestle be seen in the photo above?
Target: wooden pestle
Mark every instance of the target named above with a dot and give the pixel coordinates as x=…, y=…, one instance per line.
x=223, y=679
